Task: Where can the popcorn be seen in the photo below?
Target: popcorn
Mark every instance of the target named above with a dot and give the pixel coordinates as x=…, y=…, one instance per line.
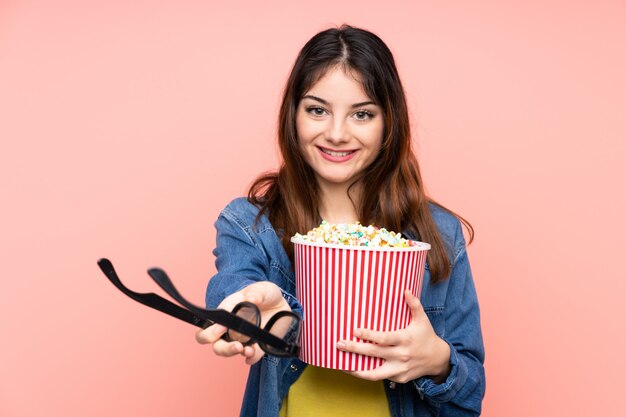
x=354, y=234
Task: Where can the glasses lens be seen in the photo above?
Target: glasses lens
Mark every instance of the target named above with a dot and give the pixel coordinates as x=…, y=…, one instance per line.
x=249, y=314
x=287, y=328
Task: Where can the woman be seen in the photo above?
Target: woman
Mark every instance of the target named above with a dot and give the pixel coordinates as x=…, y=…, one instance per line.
x=345, y=141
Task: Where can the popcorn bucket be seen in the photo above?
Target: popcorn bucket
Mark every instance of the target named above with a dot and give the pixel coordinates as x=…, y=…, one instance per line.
x=342, y=288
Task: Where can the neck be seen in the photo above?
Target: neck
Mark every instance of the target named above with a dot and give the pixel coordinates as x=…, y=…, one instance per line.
x=336, y=205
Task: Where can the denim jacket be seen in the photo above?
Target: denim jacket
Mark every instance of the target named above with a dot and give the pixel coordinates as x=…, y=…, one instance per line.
x=246, y=253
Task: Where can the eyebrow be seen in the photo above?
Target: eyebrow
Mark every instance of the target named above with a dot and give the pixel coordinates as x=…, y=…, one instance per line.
x=321, y=100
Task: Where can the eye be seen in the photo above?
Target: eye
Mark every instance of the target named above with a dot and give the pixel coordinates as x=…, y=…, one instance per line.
x=316, y=111
x=363, y=115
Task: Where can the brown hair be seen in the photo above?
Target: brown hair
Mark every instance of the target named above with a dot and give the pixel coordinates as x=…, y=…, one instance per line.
x=396, y=198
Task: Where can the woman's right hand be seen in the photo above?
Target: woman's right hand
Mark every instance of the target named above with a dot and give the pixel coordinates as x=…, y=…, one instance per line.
x=267, y=297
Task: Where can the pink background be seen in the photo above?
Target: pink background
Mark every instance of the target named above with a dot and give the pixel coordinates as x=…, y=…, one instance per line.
x=126, y=126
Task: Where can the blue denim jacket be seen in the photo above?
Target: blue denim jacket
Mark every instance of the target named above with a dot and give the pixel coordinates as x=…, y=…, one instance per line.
x=246, y=253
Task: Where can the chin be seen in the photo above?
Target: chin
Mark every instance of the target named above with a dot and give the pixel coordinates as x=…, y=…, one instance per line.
x=338, y=180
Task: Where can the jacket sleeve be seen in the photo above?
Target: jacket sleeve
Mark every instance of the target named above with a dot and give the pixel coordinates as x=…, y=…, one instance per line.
x=462, y=392
x=240, y=257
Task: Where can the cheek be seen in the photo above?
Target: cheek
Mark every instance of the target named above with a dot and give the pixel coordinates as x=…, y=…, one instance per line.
x=375, y=137
x=301, y=137
x=380, y=135
x=304, y=131
x=300, y=127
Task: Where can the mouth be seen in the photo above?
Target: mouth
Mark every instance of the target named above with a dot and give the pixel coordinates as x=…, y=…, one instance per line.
x=336, y=154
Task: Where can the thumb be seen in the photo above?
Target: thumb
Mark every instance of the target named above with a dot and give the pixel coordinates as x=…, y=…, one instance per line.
x=414, y=305
x=254, y=294
x=265, y=295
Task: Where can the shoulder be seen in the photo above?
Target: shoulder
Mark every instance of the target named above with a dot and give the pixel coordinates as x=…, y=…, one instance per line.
x=447, y=223
x=239, y=223
x=245, y=214
x=449, y=227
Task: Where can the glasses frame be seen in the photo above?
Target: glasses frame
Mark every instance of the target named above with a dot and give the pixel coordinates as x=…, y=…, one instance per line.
x=204, y=318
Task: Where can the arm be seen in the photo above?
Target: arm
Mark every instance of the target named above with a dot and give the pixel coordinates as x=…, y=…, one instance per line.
x=242, y=275
x=239, y=258
x=461, y=393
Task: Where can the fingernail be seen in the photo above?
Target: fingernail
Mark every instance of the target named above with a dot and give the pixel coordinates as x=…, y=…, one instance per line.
x=340, y=345
x=357, y=333
x=218, y=329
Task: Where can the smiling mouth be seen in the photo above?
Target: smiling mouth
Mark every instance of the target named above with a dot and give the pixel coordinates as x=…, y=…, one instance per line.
x=336, y=154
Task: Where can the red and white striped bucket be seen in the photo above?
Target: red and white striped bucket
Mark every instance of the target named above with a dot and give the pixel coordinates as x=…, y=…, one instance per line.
x=342, y=288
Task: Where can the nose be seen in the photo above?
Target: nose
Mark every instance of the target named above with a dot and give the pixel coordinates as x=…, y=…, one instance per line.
x=336, y=131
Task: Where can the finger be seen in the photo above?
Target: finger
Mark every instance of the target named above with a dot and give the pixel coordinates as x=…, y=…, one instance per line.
x=211, y=334
x=417, y=311
x=382, y=338
x=249, y=351
x=253, y=354
x=227, y=349
x=368, y=349
x=377, y=374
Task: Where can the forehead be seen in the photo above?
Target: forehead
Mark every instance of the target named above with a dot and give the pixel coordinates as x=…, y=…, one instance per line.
x=338, y=76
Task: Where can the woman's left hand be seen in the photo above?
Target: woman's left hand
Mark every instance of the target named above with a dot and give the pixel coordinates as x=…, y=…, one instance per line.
x=409, y=353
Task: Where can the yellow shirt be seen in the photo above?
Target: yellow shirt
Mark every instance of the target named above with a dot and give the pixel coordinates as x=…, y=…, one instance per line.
x=320, y=392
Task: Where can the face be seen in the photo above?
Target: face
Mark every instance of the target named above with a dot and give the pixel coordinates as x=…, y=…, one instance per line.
x=340, y=129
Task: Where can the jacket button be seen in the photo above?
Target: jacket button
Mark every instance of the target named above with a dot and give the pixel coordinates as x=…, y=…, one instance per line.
x=392, y=385
x=293, y=367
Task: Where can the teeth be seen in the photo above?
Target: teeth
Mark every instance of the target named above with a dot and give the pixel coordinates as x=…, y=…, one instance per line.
x=339, y=154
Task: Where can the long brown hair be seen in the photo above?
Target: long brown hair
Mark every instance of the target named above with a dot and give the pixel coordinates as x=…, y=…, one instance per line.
x=395, y=197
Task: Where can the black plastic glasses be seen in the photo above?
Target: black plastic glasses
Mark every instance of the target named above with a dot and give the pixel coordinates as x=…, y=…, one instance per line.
x=279, y=337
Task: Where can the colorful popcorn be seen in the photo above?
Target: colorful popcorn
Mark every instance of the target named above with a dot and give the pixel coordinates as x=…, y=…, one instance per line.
x=354, y=234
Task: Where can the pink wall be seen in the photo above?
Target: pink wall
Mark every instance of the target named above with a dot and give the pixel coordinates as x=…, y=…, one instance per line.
x=126, y=126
